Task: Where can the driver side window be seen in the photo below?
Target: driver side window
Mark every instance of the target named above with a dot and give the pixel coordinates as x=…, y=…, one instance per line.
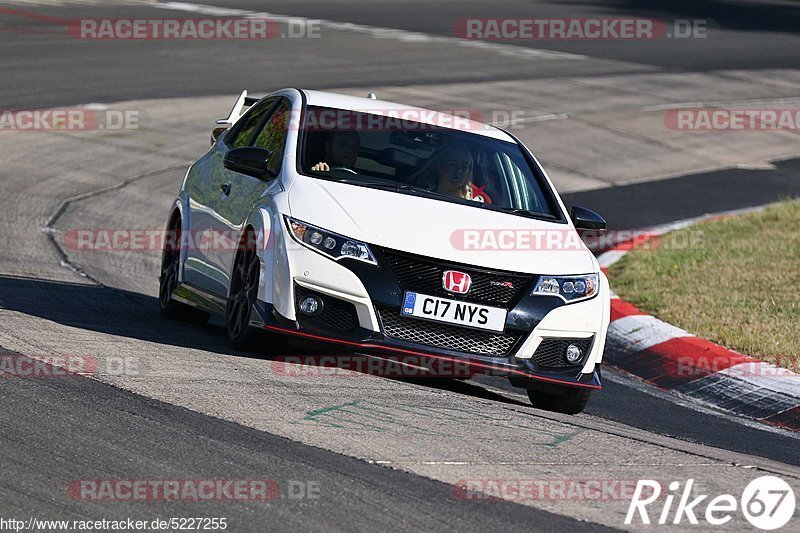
x=273, y=135
x=243, y=131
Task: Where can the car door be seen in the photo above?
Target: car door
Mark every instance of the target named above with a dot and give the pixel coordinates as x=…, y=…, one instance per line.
x=204, y=188
x=233, y=207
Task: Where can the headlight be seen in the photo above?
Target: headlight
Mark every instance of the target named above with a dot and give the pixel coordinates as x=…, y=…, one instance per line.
x=328, y=243
x=568, y=288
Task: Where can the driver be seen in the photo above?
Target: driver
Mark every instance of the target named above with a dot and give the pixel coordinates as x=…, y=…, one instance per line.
x=341, y=151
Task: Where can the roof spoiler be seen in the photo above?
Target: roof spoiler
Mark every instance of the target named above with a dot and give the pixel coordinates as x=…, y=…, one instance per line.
x=237, y=110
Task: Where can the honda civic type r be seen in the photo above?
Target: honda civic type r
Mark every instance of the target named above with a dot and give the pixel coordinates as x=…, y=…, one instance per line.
x=388, y=230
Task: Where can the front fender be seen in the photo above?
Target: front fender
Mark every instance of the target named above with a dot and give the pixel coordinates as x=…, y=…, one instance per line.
x=266, y=220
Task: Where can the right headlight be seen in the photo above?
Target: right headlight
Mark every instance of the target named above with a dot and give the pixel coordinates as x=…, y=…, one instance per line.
x=568, y=288
x=328, y=243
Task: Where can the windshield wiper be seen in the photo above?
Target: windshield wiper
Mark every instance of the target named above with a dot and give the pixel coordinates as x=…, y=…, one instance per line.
x=387, y=186
x=523, y=212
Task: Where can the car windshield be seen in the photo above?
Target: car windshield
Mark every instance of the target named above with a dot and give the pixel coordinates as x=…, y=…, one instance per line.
x=410, y=157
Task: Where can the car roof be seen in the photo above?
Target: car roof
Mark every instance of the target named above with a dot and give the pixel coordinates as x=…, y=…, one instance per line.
x=416, y=114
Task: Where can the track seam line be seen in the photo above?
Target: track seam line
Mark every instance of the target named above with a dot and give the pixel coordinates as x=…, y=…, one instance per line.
x=50, y=230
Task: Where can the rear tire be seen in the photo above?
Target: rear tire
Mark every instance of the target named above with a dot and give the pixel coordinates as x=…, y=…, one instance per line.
x=571, y=401
x=168, y=281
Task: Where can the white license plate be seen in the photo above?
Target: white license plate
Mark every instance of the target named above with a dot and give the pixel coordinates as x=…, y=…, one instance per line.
x=453, y=311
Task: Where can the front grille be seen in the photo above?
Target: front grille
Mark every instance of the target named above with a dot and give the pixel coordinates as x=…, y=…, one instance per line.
x=423, y=275
x=550, y=352
x=445, y=336
x=335, y=314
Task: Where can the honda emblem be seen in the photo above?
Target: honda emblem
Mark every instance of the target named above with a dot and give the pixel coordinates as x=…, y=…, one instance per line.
x=456, y=282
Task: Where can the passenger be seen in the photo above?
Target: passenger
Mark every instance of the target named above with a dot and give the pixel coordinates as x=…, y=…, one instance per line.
x=341, y=151
x=454, y=176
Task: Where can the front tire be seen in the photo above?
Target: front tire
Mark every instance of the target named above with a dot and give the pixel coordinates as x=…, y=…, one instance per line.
x=243, y=294
x=168, y=281
x=570, y=401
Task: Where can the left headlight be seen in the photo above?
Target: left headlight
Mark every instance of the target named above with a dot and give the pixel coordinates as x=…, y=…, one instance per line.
x=568, y=288
x=328, y=243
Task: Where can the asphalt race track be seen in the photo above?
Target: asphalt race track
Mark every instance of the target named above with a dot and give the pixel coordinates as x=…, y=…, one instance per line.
x=173, y=401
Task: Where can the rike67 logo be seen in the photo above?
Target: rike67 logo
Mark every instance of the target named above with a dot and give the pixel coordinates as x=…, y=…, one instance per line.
x=767, y=502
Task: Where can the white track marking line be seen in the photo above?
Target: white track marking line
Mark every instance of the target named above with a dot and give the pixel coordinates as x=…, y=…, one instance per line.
x=376, y=31
x=75, y=2
x=786, y=100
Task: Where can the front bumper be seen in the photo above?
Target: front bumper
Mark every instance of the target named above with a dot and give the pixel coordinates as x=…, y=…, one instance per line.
x=363, y=316
x=447, y=364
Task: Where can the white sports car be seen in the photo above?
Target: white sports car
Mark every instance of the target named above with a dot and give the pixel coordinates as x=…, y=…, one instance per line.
x=389, y=230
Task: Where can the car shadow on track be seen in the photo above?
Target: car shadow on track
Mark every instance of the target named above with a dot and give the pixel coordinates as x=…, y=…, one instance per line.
x=128, y=314
x=106, y=310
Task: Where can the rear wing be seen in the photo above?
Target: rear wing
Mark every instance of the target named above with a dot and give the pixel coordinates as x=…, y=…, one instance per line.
x=238, y=109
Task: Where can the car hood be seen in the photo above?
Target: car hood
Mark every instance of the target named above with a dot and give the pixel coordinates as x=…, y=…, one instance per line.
x=439, y=229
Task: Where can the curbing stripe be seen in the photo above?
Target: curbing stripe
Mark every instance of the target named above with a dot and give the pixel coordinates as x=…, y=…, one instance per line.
x=635, y=333
x=680, y=360
x=610, y=257
x=739, y=396
x=671, y=358
x=621, y=308
x=788, y=419
x=766, y=376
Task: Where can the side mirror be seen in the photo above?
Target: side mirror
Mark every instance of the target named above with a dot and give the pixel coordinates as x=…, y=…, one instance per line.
x=251, y=161
x=586, y=219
